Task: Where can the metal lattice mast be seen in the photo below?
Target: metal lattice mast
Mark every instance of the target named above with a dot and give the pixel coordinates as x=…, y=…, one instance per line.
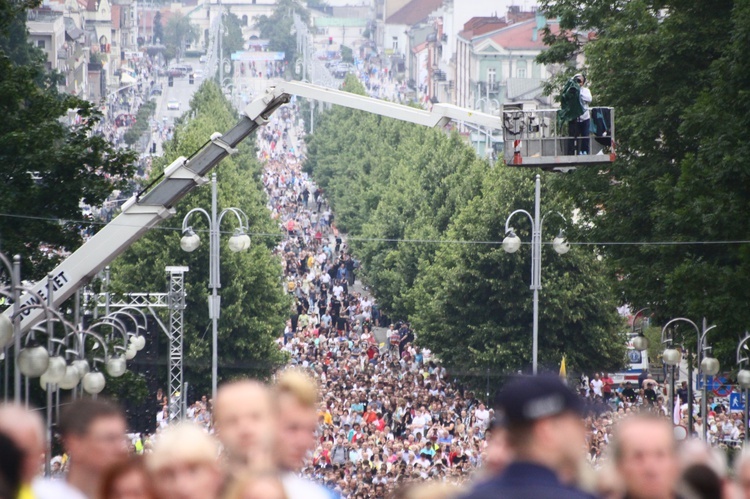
x=176, y=297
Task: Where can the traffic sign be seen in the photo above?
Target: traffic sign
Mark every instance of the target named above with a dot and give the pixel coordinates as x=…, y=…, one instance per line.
x=722, y=388
x=736, y=402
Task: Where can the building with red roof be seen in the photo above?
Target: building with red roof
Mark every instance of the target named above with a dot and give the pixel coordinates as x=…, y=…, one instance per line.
x=498, y=66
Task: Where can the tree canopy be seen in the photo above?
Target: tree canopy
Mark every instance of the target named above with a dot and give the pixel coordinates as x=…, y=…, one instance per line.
x=277, y=28
x=674, y=202
x=49, y=166
x=178, y=32
x=419, y=208
x=254, y=305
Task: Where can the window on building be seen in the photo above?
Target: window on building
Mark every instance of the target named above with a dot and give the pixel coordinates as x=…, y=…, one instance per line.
x=40, y=44
x=491, y=76
x=394, y=46
x=521, y=69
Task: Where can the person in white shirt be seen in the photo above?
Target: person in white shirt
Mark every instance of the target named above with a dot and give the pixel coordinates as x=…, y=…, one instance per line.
x=93, y=434
x=596, y=385
x=482, y=417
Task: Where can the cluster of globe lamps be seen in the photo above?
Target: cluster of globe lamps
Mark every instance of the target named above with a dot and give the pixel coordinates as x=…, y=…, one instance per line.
x=35, y=361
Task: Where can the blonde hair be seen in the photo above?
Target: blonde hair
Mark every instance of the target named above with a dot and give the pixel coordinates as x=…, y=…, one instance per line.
x=299, y=385
x=184, y=442
x=241, y=482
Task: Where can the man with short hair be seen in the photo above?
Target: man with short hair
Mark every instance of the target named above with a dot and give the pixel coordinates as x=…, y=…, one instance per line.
x=545, y=432
x=644, y=452
x=295, y=397
x=243, y=421
x=93, y=434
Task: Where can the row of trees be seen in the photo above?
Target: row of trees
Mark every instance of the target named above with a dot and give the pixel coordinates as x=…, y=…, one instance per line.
x=48, y=166
x=667, y=220
x=678, y=74
x=254, y=305
x=425, y=215
x=278, y=28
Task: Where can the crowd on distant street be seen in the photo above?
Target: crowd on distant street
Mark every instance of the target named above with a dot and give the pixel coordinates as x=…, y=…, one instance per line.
x=389, y=413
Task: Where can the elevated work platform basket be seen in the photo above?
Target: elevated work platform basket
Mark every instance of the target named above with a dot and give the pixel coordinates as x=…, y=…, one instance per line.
x=537, y=138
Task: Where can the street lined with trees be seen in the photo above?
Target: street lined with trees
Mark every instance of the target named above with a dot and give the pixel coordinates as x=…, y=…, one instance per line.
x=426, y=216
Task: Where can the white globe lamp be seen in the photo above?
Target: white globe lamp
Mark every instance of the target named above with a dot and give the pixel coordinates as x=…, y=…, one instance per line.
x=511, y=243
x=672, y=356
x=130, y=352
x=640, y=343
x=33, y=361
x=743, y=378
x=55, y=369
x=70, y=379
x=239, y=242
x=560, y=244
x=6, y=331
x=190, y=241
x=116, y=366
x=710, y=366
x=93, y=382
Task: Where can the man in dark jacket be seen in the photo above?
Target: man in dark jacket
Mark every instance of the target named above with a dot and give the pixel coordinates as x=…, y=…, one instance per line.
x=546, y=435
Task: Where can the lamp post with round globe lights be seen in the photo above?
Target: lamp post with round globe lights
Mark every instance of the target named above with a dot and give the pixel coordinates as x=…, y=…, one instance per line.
x=709, y=366
x=512, y=243
x=10, y=327
x=239, y=241
x=640, y=342
x=743, y=379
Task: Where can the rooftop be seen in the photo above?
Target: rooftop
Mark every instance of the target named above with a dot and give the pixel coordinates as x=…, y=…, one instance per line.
x=480, y=25
x=524, y=35
x=414, y=12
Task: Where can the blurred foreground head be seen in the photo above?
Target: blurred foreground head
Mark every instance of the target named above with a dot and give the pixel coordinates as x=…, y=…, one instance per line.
x=128, y=479
x=742, y=472
x=26, y=429
x=543, y=423
x=644, y=452
x=256, y=485
x=243, y=420
x=295, y=396
x=184, y=463
x=93, y=433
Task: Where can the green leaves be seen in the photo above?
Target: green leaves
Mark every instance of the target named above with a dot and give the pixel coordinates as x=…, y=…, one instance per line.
x=677, y=74
x=277, y=28
x=48, y=165
x=178, y=32
x=253, y=303
x=426, y=216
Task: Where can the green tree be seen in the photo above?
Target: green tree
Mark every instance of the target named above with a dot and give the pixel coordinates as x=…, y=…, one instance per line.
x=179, y=32
x=49, y=166
x=158, y=28
x=677, y=74
x=232, y=41
x=473, y=304
x=417, y=206
x=277, y=28
x=254, y=305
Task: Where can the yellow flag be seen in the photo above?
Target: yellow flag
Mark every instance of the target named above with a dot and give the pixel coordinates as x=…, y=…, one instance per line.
x=563, y=370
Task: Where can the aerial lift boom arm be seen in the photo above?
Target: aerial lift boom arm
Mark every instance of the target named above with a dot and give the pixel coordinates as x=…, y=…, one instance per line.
x=146, y=209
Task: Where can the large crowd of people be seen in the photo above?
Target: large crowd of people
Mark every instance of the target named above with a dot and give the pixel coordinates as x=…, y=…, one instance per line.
x=389, y=412
x=363, y=411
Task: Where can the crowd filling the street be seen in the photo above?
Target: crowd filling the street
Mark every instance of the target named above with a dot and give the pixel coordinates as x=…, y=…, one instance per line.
x=363, y=411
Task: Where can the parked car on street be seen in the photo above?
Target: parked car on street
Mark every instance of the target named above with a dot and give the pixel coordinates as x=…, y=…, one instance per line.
x=342, y=69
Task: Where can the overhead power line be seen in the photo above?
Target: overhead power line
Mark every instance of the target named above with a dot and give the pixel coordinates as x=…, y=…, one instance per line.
x=725, y=242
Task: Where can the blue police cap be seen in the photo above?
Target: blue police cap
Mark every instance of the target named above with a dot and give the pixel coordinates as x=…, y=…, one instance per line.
x=529, y=398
